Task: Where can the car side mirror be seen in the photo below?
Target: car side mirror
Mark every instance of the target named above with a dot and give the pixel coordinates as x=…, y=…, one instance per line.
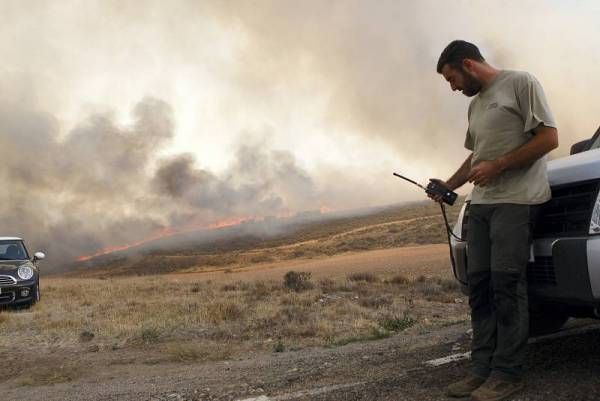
x=38, y=256
x=579, y=147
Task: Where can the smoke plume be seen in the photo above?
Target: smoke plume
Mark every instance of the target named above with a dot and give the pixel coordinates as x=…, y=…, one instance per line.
x=103, y=184
x=120, y=120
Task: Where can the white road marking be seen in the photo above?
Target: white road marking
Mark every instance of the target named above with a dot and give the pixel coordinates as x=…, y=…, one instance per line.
x=448, y=359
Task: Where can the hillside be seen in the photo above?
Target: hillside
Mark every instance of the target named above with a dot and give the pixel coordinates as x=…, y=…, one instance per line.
x=257, y=243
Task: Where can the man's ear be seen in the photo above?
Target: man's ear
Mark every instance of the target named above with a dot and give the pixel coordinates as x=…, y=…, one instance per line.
x=468, y=65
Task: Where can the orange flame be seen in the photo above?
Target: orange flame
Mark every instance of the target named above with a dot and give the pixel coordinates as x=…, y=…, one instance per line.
x=169, y=231
x=325, y=209
x=166, y=232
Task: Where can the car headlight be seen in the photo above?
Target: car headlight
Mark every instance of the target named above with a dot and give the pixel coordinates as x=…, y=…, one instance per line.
x=25, y=272
x=595, y=221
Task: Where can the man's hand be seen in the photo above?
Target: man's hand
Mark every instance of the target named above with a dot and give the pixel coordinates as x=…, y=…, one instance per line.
x=485, y=172
x=438, y=198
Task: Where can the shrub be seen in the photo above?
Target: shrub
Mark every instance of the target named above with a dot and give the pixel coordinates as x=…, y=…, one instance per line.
x=397, y=323
x=297, y=281
x=374, y=302
x=367, y=277
x=399, y=279
x=261, y=258
x=223, y=311
x=230, y=287
x=327, y=285
x=86, y=336
x=297, y=253
x=146, y=335
x=259, y=291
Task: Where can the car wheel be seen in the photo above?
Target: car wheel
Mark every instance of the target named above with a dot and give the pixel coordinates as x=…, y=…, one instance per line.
x=544, y=319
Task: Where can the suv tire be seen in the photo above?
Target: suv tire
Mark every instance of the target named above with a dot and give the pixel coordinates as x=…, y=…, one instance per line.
x=545, y=319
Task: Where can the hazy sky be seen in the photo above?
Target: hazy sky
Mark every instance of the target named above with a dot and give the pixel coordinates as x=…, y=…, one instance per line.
x=130, y=110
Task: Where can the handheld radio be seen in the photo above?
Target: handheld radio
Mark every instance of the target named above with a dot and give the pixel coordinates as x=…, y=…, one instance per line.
x=434, y=188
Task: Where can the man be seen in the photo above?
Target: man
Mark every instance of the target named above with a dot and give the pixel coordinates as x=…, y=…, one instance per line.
x=511, y=129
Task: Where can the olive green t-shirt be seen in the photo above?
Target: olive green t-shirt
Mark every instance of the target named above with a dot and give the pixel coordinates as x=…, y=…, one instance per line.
x=501, y=118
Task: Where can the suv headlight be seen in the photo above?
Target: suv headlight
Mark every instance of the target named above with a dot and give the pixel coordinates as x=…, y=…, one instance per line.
x=595, y=222
x=25, y=272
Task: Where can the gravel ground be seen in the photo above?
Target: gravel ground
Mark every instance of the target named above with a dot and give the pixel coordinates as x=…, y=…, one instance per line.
x=563, y=368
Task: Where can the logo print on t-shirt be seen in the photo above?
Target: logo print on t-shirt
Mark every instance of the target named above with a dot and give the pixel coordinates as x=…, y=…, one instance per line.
x=492, y=105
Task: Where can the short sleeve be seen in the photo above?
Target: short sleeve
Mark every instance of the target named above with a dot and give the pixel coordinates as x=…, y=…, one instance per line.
x=533, y=104
x=469, y=141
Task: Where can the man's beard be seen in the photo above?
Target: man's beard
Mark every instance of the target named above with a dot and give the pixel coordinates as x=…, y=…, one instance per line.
x=471, y=85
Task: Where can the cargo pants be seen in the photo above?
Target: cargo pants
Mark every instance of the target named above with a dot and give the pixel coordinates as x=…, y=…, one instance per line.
x=499, y=238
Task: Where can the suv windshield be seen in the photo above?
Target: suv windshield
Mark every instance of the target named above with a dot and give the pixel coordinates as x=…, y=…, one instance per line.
x=596, y=143
x=12, y=250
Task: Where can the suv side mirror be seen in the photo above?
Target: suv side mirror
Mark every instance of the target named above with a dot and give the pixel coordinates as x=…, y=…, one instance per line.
x=38, y=256
x=579, y=147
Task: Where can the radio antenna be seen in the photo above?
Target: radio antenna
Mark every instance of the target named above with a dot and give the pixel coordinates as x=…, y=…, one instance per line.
x=411, y=181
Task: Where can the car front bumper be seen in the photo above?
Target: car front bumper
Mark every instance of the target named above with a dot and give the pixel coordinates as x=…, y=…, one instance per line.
x=13, y=294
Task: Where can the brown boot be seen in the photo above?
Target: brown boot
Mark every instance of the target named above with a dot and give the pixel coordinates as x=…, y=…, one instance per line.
x=465, y=387
x=495, y=389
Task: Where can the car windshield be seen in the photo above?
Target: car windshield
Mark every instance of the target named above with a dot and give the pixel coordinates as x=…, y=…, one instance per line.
x=12, y=250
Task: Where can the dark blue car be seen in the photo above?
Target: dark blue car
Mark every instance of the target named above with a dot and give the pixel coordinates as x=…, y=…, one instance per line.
x=19, y=275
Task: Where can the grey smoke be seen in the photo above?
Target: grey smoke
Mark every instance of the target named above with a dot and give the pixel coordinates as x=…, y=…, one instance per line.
x=103, y=184
x=367, y=67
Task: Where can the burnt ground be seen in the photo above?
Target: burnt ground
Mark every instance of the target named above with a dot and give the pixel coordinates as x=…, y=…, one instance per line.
x=566, y=367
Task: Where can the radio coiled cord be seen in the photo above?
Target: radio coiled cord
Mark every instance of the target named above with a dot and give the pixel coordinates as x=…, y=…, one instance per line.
x=449, y=232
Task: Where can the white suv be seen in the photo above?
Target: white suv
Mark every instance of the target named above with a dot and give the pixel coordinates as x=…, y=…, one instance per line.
x=564, y=267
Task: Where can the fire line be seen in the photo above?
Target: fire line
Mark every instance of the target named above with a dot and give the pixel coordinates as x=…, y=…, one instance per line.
x=164, y=233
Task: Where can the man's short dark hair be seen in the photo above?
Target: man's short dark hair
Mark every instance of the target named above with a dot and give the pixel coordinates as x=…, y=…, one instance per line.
x=456, y=52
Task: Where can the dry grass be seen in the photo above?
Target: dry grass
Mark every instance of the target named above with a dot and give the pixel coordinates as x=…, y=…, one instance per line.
x=199, y=320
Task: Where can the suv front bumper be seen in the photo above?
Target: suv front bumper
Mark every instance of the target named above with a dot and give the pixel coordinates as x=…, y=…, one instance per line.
x=560, y=269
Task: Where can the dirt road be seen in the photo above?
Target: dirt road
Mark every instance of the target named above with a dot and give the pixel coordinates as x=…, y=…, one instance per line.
x=411, y=261
x=564, y=368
